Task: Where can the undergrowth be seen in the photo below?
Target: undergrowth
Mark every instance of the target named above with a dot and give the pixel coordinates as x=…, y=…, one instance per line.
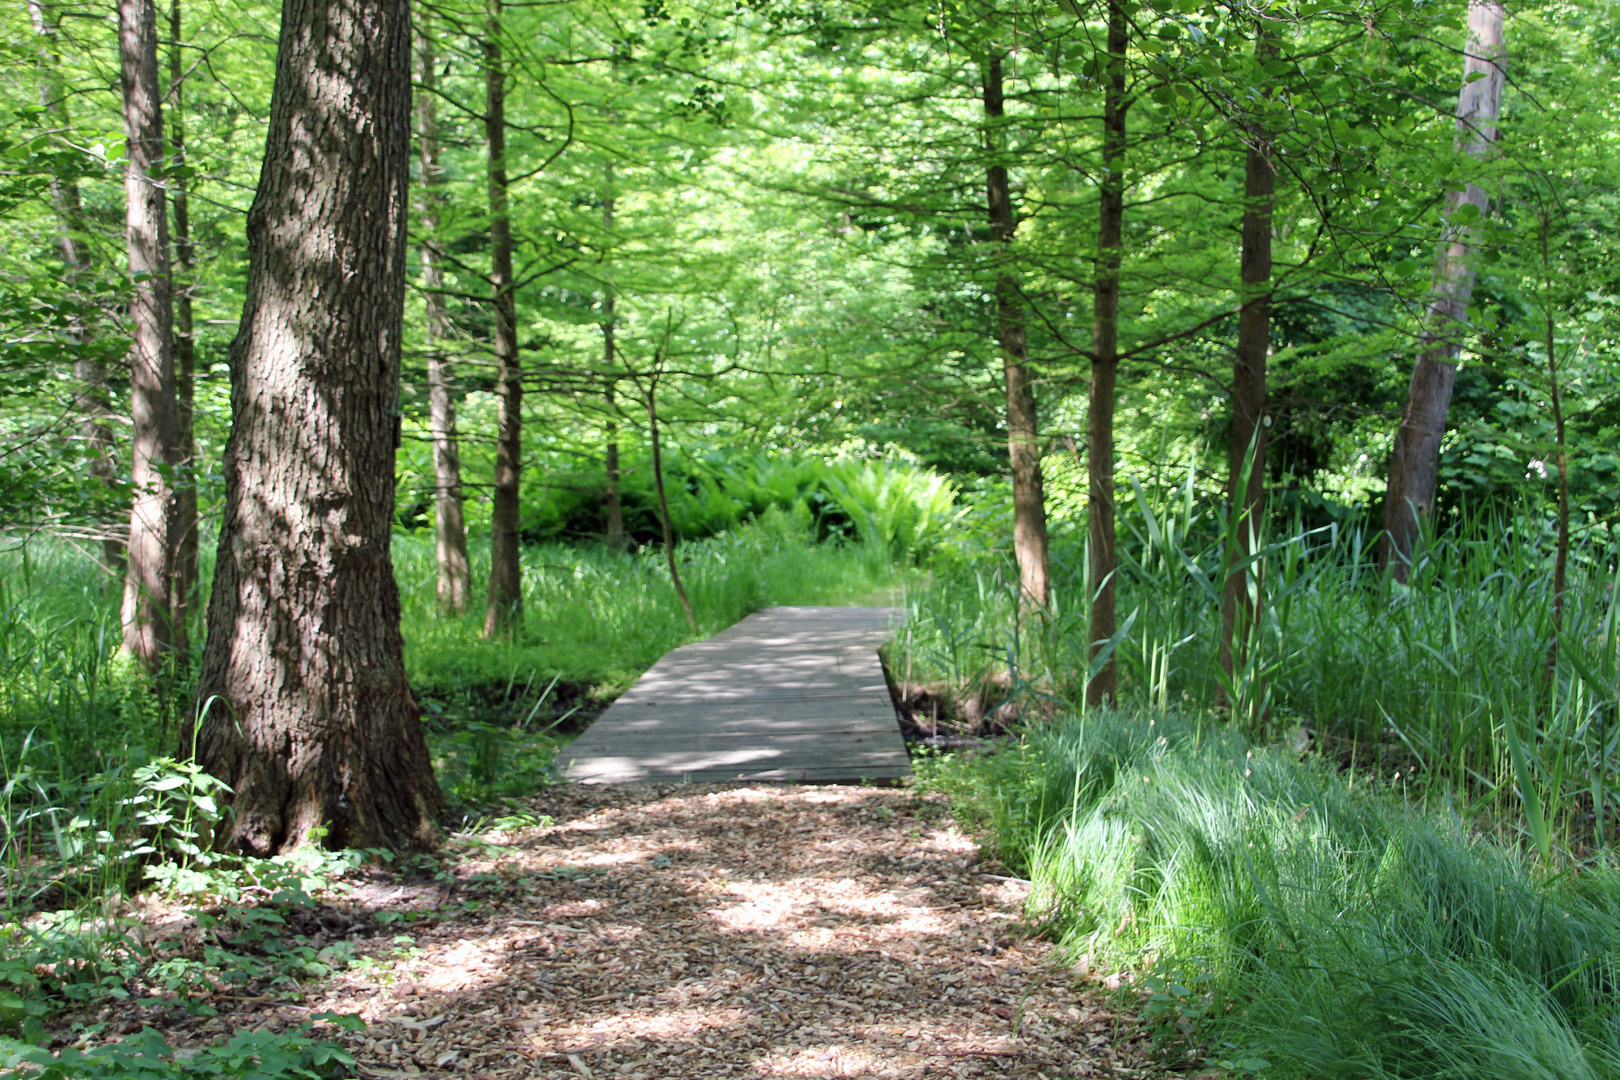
x=95, y=806
x=1444, y=679
x=1294, y=920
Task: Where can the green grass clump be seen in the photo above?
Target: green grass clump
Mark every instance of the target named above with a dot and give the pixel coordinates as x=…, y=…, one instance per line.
x=1298, y=923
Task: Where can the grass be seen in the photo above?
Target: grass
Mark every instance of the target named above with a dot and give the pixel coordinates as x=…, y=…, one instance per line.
x=1296, y=920
x=1387, y=858
x=93, y=807
x=1444, y=679
x=73, y=715
x=592, y=615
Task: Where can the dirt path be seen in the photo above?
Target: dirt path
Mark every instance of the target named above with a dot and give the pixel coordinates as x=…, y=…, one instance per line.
x=662, y=931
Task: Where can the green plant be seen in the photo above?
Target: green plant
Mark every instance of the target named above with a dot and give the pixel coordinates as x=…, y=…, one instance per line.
x=1284, y=912
x=251, y=1055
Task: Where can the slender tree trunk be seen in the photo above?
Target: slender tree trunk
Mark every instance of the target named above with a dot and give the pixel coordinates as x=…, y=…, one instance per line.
x=1561, y=559
x=1246, y=453
x=92, y=399
x=1023, y=445
x=505, y=575
x=613, y=509
x=663, y=503
x=1105, y=358
x=153, y=520
x=1414, y=465
x=184, y=599
x=307, y=714
x=450, y=526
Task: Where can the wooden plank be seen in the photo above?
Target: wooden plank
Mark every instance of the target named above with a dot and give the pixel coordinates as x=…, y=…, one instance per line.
x=787, y=694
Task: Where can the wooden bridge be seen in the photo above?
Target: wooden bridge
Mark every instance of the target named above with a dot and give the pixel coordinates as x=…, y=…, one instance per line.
x=788, y=693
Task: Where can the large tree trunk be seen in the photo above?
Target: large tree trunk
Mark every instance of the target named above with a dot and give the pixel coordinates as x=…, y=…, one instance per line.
x=1023, y=445
x=505, y=574
x=1414, y=466
x=184, y=599
x=449, y=523
x=307, y=714
x=613, y=509
x=92, y=399
x=153, y=519
x=1105, y=359
x=1246, y=452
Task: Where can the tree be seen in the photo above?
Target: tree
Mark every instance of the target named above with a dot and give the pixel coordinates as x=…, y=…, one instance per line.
x=449, y=524
x=1023, y=441
x=184, y=596
x=304, y=703
x=1105, y=358
x=1246, y=448
x=505, y=604
x=93, y=401
x=149, y=627
x=1415, y=464
x=613, y=508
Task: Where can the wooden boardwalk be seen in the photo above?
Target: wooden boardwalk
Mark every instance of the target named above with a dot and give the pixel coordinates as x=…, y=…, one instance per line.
x=788, y=693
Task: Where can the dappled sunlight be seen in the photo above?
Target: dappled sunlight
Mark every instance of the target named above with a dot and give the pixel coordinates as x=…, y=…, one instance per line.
x=660, y=931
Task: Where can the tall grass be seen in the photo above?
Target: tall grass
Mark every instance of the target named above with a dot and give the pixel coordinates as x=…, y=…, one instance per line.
x=1297, y=921
x=1441, y=678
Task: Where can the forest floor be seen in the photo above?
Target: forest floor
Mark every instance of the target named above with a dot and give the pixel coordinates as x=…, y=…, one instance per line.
x=659, y=931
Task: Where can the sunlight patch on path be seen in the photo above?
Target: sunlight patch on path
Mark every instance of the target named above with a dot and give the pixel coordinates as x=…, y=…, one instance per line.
x=667, y=932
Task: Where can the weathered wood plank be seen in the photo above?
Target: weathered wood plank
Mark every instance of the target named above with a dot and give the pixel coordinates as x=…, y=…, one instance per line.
x=787, y=694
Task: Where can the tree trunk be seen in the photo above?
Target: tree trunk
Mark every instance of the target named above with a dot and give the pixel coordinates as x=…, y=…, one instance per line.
x=1561, y=555
x=153, y=523
x=307, y=714
x=1246, y=453
x=1023, y=446
x=92, y=399
x=449, y=523
x=505, y=575
x=184, y=599
x=1414, y=465
x=613, y=510
x=1105, y=360
x=663, y=504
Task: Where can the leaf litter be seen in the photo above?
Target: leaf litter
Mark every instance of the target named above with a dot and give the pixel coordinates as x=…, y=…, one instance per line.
x=661, y=931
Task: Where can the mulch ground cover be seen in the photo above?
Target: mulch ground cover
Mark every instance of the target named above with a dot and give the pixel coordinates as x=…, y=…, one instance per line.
x=671, y=931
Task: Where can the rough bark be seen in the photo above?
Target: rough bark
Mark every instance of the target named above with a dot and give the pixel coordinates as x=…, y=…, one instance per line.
x=184, y=598
x=505, y=605
x=1023, y=444
x=148, y=630
x=307, y=714
x=1246, y=452
x=1105, y=360
x=613, y=506
x=1414, y=465
x=449, y=522
x=92, y=400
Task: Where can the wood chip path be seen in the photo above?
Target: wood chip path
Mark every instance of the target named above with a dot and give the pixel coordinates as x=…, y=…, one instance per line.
x=665, y=932
x=788, y=693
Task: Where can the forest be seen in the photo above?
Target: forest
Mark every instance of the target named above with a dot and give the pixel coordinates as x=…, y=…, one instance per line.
x=1225, y=394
